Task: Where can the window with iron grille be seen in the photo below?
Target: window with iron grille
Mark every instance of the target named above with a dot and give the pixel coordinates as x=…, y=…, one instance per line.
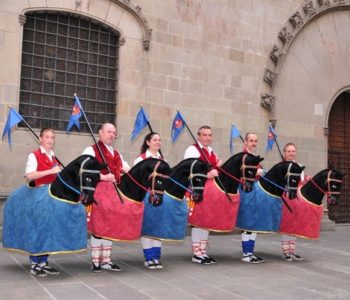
x=62, y=55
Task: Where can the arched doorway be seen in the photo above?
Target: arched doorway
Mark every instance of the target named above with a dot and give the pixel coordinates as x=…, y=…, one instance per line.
x=339, y=153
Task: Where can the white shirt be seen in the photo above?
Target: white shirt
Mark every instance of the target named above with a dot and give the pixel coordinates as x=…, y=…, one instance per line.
x=32, y=163
x=90, y=151
x=148, y=154
x=192, y=151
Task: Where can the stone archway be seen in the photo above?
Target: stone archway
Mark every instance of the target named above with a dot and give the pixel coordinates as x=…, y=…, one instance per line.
x=338, y=153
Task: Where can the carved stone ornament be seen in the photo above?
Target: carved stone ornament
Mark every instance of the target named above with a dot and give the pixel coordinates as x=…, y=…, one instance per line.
x=121, y=41
x=22, y=19
x=309, y=9
x=267, y=101
x=284, y=35
x=339, y=2
x=269, y=77
x=296, y=20
x=137, y=12
x=324, y=3
x=276, y=54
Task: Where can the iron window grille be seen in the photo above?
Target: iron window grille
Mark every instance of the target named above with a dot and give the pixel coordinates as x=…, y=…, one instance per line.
x=62, y=55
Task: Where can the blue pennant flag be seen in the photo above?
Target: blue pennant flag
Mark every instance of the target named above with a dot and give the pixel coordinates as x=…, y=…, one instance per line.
x=270, y=138
x=140, y=123
x=77, y=112
x=13, y=119
x=178, y=126
x=234, y=134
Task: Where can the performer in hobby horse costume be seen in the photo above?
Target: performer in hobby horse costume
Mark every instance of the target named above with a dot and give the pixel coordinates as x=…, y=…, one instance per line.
x=49, y=219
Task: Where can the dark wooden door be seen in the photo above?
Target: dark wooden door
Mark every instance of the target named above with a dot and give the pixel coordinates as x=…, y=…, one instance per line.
x=339, y=154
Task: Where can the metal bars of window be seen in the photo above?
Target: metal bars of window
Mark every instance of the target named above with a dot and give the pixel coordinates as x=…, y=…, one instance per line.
x=62, y=55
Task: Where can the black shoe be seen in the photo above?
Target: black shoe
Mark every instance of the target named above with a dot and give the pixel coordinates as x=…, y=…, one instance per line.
x=211, y=259
x=259, y=259
x=250, y=259
x=48, y=270
x=96, y=268
x=200, y=260
x=158, y=264
x=150, y=264
x=36, y=270
x=287, y=257
x=110, y=267
x=295, y=256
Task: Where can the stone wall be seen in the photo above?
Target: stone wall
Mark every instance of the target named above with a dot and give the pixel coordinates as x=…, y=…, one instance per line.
x=206, y=58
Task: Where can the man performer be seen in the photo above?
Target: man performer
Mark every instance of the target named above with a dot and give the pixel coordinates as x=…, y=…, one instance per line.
x=204, y=152
x=248, y=237
x=101, y=249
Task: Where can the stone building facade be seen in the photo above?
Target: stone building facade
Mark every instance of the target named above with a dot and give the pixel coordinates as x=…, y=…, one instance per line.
x=219, y=62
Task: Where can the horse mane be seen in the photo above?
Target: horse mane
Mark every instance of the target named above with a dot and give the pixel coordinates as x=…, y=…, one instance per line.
x=184, y=161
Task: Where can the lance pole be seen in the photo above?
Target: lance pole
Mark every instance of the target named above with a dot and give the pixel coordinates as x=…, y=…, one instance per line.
x=100, y=151
x=273, y=124
x=34, y=133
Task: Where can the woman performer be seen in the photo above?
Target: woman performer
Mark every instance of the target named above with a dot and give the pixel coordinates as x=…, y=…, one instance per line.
x=151, y=247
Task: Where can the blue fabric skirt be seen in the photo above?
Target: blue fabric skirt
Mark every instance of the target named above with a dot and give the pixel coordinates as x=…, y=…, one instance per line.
x=167, y=221
x=38, y=223
x=259, y=211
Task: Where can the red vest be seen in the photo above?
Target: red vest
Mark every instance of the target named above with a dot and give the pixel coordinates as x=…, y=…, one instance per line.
x=213, y=159
x=44, y=163
x=114, y=163
x=143, y=156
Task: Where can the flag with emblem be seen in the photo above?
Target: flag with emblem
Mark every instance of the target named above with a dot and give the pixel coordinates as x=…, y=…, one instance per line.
x=77, y=112
x=178, y=126
x=271, y=137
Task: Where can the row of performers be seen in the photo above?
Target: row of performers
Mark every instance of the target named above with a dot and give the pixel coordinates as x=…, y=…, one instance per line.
x=108, y=220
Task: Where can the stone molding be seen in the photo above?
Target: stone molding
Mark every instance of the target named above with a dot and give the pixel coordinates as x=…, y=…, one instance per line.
x=137, y=12
x=305, y=14
x=134, y=10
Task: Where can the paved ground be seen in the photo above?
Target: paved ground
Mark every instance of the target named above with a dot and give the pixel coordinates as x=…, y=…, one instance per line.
x=324, y=274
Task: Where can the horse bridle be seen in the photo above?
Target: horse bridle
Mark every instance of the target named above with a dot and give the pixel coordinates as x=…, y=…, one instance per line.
x=328, y=182
x=194, y=175
x=287, y=177
x=81, y=172
x=244, y=179
x=152, y=176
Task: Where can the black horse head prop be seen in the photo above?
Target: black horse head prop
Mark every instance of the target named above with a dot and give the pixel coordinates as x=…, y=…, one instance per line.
x=78, y=180
x=282, y=177
x=197, y=179
x=326, y=182
x=334, y=183
x=158, y=177
x=190, y=172
x=293, y=177
x=148, y=175
x=249, y=168
x=240, y=168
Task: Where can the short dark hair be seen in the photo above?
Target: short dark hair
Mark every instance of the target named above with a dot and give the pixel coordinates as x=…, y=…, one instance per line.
x=43, y=130
x=203, y=127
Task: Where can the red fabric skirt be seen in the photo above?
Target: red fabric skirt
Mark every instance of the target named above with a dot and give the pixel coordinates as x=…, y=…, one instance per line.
x=110, y=219
x=215, y=212
x=305, y=219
